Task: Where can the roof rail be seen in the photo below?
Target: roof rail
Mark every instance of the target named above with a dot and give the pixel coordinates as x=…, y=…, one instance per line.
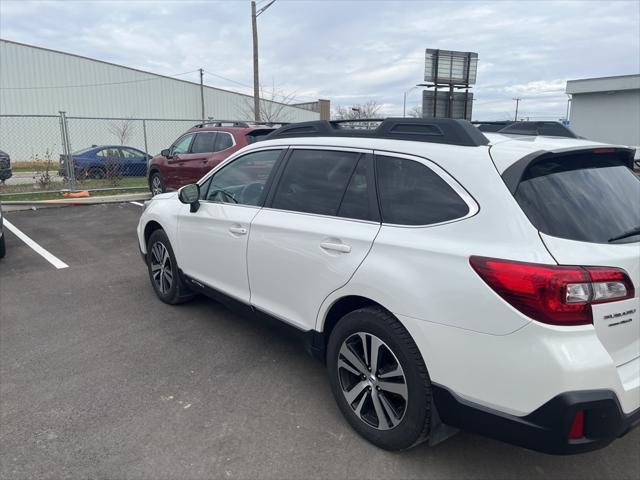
x=431, y=130
x=220, y=123
x=548, y=128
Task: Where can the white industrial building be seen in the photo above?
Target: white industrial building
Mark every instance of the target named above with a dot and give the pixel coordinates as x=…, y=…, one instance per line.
x=39, y=81
x=606, y=109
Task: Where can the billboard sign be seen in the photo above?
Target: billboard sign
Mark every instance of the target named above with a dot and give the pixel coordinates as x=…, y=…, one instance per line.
x=450, y=67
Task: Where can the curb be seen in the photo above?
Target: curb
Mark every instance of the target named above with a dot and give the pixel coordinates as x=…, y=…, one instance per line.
x=16, y=205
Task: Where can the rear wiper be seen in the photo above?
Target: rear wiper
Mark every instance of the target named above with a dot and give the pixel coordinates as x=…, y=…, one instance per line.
x=628, y=233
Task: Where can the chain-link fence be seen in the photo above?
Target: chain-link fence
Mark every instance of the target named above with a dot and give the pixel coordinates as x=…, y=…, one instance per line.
x=54, y=153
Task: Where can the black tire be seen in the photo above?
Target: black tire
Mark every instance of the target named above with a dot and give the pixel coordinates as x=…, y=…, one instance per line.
x=156, y=183
x=96, y=173
x=3, y=247
x=175, y=292
x=414, y=426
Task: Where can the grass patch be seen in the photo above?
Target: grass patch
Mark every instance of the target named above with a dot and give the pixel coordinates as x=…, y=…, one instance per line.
x=32, y=166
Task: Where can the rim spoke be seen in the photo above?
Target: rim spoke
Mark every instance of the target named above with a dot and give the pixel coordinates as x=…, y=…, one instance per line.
x=382, y=421
x=396, y=372
x=391, y=413
x=357, y=389
x=155, y=267
x=348, y=367
x=358, y=409
x=363, y=339
x=346, y=352
x=398, y=388
x=167, y=278
x=376, y=343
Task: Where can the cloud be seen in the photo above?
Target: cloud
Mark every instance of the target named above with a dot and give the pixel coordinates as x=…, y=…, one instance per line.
x=350, y=51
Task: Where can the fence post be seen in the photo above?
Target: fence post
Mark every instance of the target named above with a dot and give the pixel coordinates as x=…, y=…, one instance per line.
x=64, y=131
x=144, y=133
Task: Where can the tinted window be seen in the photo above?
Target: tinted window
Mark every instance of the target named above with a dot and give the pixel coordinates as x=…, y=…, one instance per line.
x=131, y=153
x=204, y=142
x=355, y=203
x=223, y=141
x=182, y=145
x=314, y=181
x=109, y=153
x=412, y=194
x=589, y=198
x=243, y=180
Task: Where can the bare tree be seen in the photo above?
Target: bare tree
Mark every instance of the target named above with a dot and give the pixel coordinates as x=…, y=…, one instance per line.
x=415, y=111
x=369, y=109
x=273, y=105
x=122, y=129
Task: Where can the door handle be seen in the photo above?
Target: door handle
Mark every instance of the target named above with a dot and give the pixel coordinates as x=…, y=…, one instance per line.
x=238, y=230
x=338, y=247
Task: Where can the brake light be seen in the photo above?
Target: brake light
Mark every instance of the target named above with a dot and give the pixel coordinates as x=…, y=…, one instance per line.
x=554, y=294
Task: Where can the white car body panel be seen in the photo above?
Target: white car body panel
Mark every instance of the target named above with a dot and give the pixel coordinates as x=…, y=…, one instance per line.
x=212, y=246
x=622, y=340
x=292, y=263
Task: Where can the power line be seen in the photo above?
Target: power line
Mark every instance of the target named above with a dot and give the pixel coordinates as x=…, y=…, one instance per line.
x=49, y=87
x=301, y=99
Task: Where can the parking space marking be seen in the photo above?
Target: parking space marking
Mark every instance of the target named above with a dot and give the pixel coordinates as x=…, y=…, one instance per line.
x=48, y=256
x=138, y=203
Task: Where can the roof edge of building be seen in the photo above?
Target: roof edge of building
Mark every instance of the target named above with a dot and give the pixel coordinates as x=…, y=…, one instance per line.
x=143, y=71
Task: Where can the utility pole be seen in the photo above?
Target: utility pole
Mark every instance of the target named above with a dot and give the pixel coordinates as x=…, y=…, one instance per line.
x=517, y=99
x=202, y=93
x=256, y=79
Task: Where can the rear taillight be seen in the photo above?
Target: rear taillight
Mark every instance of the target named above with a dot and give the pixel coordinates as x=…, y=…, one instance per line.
x=559, y=295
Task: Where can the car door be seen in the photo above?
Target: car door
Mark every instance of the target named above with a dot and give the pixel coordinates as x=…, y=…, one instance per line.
x=212, y=242
x=195, y=164
x=316, y=228
x=134, y=162
x=178, y=153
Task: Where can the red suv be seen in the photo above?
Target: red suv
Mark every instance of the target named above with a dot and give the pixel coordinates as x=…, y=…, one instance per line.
x=197, y=151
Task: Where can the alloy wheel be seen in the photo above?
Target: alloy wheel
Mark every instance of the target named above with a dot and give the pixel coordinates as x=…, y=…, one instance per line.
x=372, y=381
x=161, y=270
x=156, y=185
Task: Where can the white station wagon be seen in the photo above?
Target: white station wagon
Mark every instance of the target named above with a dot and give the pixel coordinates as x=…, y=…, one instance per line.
x=449, y=280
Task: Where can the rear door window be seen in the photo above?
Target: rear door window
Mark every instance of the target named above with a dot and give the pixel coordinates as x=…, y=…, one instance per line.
x=314, y=181
x=204, y=142
x=583, y=197
x=410, y=193
x=223, y=141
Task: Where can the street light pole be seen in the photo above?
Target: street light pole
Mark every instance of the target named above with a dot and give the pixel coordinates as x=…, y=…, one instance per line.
x=202, y=93
x=404, y=101
x=256, y=80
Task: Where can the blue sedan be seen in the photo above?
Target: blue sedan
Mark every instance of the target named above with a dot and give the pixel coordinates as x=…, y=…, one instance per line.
x=103, y=161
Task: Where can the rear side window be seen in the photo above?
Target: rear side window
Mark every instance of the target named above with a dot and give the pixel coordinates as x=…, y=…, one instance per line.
x=356, y=200
x=204, y=142
x=412, y=194
x=223, y=141
x=314, y=181
x=586, y=197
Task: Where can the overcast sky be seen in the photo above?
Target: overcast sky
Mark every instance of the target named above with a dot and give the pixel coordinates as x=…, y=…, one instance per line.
x=350, y=51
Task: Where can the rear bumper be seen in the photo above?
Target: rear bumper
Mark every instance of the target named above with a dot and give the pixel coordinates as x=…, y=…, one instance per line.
x=547, y=428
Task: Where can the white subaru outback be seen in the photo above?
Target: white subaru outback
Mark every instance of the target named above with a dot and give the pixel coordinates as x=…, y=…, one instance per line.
x=447, y=278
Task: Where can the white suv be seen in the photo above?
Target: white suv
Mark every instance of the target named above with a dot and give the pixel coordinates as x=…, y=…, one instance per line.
x=447, y=278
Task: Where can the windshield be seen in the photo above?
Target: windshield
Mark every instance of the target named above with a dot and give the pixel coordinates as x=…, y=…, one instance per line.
x=585, y=197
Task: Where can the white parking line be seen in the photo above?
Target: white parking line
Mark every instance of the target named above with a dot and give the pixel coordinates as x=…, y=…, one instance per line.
x=138, y=203
x=48, y=256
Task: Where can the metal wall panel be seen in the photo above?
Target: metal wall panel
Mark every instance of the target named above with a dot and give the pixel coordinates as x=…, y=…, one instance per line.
x=86, y=87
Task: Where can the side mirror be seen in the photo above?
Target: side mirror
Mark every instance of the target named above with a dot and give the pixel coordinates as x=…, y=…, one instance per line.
x=166, y=153
x=190, y=194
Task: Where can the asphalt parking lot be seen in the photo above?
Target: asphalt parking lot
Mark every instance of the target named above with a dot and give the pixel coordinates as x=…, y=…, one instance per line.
x=99, y=379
